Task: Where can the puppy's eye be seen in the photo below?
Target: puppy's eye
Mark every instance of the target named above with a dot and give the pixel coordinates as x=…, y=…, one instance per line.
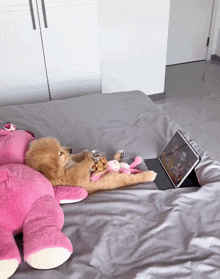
x=61, y=153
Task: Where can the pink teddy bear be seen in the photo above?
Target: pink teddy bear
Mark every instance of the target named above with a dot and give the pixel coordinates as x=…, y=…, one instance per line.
x=30, y=204
x=120, y=167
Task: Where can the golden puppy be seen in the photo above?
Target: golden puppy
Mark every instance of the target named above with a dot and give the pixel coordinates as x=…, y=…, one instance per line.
x=47, y=156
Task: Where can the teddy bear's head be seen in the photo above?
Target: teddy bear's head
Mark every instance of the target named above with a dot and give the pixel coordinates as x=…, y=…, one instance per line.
x=13, y=144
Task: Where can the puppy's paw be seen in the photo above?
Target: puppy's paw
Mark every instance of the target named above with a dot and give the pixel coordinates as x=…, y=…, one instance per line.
x=89, y=156
x=152, y=175
x=119, y=155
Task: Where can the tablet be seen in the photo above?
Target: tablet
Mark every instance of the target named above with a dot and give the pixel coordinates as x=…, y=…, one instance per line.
x=178, y=159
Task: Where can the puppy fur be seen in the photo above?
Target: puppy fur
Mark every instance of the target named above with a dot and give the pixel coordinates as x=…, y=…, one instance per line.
x=47, y=156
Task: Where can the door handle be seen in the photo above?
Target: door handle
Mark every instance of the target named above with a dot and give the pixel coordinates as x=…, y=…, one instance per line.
x=32, y=14
x=44, y=13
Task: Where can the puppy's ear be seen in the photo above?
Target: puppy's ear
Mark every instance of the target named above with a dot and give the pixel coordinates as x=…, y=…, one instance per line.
x=47, y=170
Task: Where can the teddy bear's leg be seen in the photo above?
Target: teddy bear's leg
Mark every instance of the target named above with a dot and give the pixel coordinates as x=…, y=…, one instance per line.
x=9, y=254
x=137, y=161
x=45, y=246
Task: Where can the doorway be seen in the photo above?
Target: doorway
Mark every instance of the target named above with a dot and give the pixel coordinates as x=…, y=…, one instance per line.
x=189, y=28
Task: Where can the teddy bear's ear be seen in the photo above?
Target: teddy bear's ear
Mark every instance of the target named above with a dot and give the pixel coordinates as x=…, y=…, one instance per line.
x=9, y=127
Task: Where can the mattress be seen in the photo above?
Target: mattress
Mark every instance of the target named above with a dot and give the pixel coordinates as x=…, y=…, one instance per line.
x=137, y=232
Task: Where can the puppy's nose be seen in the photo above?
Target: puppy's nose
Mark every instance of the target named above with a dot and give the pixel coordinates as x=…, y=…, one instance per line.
x=70, y=150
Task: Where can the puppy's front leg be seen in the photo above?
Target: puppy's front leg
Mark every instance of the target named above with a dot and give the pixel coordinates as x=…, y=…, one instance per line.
x=79, y=156
x=79, y=174
x=87, y=163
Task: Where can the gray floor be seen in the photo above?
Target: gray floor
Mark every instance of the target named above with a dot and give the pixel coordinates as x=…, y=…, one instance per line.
x=193, y=101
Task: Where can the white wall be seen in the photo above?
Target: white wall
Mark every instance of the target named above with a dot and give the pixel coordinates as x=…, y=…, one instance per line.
x=133, y=44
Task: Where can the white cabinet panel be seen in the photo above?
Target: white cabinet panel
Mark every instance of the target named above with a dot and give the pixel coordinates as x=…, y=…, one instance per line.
x=14, y=4
x=22, y=69
x=133, y=45
x=71, y=47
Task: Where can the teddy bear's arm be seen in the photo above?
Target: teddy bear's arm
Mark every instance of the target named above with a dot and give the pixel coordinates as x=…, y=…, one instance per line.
x=69, y=194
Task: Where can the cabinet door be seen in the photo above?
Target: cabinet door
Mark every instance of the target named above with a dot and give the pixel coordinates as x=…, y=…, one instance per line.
x=70, y=39
x=22, y=69
x=134, y=43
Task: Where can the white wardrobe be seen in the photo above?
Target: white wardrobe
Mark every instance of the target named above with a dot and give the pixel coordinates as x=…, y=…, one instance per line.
x=48, y=50
x=54, y=49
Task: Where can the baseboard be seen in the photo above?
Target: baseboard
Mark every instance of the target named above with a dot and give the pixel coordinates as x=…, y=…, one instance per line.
x=158, y=96
x=215, y=57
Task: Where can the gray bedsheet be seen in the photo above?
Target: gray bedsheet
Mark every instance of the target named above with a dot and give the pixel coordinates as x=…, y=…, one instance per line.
x=138, y=232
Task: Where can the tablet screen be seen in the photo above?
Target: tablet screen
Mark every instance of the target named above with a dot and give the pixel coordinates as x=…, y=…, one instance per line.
x=178, y=159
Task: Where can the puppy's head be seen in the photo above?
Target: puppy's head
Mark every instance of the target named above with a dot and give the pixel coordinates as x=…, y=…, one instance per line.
x=47, y=156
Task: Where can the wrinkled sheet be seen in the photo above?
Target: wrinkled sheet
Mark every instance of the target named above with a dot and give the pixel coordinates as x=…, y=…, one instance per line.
x=139, y=232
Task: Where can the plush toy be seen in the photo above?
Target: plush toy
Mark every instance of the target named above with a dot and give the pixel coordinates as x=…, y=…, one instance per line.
x=100, y=160
x=30, y=204
x=124, y=167
x=121, y=167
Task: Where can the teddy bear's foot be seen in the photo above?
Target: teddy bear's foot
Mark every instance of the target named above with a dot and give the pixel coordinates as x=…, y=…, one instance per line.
x=8, y=268
x=48, y=258
x=137, y=161
x=45, y=245
x=69, y=194
x=9, y=253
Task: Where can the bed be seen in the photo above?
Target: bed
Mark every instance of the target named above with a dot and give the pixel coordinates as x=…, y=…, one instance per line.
x=138, y=232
